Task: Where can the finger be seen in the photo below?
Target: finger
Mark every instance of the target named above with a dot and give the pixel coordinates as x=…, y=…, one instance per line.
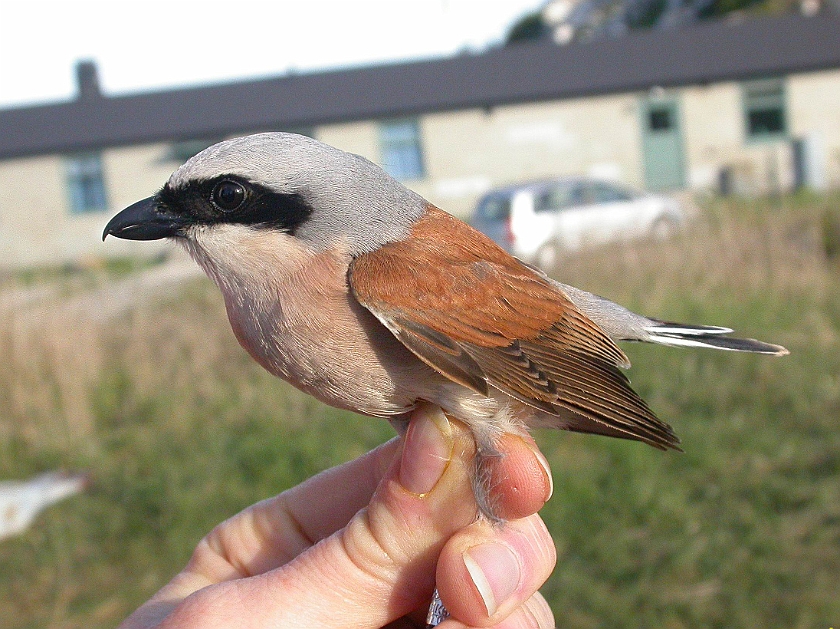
x=486, y=572
x=532, y=614
x=276, y=530
x=272, y=532
x=520, y=478
x=326, y=502
x=381, y=565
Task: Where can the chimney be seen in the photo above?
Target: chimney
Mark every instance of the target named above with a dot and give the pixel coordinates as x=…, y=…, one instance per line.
x=87, y=80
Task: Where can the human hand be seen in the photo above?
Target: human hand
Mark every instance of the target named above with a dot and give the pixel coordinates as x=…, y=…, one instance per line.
x=363, y=544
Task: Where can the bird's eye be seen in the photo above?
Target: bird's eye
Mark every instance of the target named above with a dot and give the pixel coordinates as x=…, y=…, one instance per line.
x=228, y=195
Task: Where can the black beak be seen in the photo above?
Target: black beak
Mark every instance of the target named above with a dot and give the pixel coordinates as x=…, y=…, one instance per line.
x=148, y=219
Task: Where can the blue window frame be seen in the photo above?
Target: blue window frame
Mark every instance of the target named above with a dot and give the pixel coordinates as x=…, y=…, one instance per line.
x=86, y=183
x=402, y=153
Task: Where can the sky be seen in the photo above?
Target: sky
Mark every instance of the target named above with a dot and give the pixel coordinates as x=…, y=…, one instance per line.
x=151, y=45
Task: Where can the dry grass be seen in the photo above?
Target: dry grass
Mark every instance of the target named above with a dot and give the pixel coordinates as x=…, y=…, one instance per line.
x=179, y=429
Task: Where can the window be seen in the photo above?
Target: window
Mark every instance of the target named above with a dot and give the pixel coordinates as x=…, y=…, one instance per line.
x=494, y=208
x=402, y=156
x=86, y=184
x=764, y=109
x=659, y=119
x=558, y=197
x=605, y=193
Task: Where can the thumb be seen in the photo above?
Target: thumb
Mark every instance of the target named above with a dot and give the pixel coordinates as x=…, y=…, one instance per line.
x=380, y=566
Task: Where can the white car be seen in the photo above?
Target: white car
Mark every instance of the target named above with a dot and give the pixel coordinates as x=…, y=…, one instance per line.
x=538, y=221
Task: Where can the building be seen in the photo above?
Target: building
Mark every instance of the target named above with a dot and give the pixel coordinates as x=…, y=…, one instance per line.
x=746, y=107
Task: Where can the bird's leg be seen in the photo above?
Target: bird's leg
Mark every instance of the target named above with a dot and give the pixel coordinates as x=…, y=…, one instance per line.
x=484, y=481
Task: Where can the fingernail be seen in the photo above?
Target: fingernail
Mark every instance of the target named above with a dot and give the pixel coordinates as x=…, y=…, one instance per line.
x=495, y=572
x=427, y=451
x=544, y=464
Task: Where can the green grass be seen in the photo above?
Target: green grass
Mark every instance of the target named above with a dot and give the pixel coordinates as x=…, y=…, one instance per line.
x=180, y=429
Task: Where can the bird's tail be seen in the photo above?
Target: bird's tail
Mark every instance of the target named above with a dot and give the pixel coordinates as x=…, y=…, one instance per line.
x=681, y=335
x=621, y=324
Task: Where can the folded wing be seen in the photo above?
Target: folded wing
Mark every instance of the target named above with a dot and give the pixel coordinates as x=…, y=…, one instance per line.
x=483, y=319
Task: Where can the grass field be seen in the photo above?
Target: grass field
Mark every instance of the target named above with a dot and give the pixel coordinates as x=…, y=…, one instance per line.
x=179, y=429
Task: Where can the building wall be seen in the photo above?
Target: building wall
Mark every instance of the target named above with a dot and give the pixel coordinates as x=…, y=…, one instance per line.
x=31, y=208
x=713, y=130
x=716, y=140
x=36, y=224
x=466, y=153
x=814, y=105
x=716, y=137
x=361, y=138
x=591, y=136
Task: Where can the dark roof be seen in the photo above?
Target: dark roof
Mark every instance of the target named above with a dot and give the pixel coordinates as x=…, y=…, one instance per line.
x=705, y=53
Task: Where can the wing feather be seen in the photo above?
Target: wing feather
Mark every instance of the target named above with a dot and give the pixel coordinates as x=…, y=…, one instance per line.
x=482, y=318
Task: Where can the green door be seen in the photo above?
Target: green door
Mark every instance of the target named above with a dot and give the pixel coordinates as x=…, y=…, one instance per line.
x=662, y=145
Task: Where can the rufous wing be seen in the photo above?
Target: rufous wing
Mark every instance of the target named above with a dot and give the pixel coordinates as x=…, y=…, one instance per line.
x=482, y=318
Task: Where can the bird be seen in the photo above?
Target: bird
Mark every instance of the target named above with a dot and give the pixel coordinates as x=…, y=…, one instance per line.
x=355, y=289
x=22, y=501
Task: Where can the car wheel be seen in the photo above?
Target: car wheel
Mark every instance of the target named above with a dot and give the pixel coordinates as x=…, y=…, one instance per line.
x=663, y=228
x=548, y=256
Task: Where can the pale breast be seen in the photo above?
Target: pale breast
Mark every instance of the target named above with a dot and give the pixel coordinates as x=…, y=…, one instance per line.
x=292, y=310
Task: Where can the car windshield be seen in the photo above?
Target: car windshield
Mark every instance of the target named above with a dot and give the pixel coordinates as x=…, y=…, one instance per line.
x=494, y=208
x=558, y=197
x=601, y=192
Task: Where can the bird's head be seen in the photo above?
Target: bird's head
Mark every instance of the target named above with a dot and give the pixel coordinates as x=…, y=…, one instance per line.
x=276, y=182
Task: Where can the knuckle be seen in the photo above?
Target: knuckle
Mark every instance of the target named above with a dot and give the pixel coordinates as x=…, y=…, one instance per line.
x=372, y=549
x=536, y=614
